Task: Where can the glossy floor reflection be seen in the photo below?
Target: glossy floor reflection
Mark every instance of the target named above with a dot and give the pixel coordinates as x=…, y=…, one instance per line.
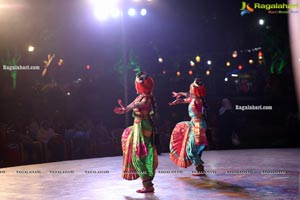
x=232, y=174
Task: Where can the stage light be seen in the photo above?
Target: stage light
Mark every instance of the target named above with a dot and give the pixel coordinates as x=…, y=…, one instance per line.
x=207, y=72
x=68, y=93
x=234, y=75
x=143, y=12
x=115, y=12
x=251, y=61
x=261, y=22
x=178, y=73
x=160, y=60
x=240, y=67
x=78, y=80
x=101, y=14
x=192, y=63
x=198, y=59
x=190, y=72
x=260, y=55
x=235, y=54
x=60, y=62
x=87, y=67
x=164, y=71
x=225, y=79
x=103, y=9
x=209, y=62
x=132, y=12
x=228, y=64
x=30, y=48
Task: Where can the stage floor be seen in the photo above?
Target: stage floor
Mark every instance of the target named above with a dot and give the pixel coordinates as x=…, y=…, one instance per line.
x=232, y=174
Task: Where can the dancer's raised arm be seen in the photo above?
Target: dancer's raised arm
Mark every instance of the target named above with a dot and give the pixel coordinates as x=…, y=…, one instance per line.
x=180, y=94
x=180, y=101
x=144, y=100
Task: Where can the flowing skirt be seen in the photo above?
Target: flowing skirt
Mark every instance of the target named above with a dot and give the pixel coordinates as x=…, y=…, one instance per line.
x=188, y=140
x=139, y=155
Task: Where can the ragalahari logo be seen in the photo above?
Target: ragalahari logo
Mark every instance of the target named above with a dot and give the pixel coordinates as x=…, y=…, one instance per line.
x=246, y=9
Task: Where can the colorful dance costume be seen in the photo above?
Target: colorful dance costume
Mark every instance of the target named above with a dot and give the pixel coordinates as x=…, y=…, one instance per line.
x=139, y=153
x=188, y=138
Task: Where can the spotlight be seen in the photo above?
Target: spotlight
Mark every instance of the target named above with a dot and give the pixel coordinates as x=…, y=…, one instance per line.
x=60, y=62
x=225, y=79
x=192, y=63
x=115, y=12
x=198, y=59
x=101, y=14
x=132, y=12
x=143, y=12
x=207, y=72
x=261, y=22
x=30, y=48
x=235, y=54
x=209, y=62
x=228, y=64
x=178, y=73
x=260, y=55
x=160, y=60
x=103, y=9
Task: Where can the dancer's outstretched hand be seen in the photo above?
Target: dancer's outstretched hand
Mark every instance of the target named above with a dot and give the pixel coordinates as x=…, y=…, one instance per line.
x=175, y=102
x=119, y=110
x=176, y=94
x=120, y=102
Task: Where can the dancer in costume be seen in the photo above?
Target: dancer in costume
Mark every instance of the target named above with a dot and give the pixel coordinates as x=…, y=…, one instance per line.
x=139, y=153
x=188, y=138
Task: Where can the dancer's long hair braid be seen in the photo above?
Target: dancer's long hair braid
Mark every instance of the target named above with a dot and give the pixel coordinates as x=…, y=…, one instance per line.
x=153, y=107
x=152, y=115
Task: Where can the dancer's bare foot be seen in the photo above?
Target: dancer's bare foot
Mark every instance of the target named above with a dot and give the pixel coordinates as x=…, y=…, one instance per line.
x=146, y=190
x=199, y=171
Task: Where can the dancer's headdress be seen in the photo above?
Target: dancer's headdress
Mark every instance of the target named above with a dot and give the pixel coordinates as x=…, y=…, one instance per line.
x=197, y=88
x=144, y=83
